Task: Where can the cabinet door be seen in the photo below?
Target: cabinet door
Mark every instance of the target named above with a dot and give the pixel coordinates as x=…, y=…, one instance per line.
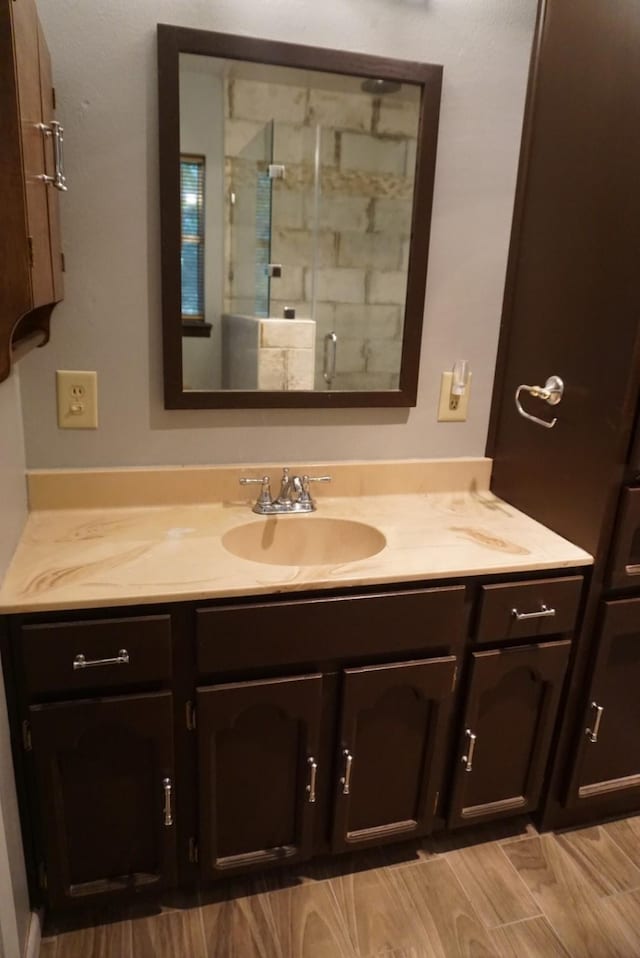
x=27, y=59
x=506, y=732
x=394, y=718
x=608, y=757
x=104, y=774
x=258, y=747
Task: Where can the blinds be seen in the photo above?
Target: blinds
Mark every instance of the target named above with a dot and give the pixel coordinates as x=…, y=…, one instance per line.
x=192, y=247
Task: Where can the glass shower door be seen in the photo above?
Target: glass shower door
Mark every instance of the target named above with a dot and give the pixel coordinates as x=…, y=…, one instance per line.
x=250, y=226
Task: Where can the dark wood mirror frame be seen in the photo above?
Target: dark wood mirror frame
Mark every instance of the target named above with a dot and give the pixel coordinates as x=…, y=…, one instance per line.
x=172, y=41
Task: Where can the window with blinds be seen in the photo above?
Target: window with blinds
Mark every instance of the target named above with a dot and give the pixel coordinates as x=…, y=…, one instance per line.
x=192, y=171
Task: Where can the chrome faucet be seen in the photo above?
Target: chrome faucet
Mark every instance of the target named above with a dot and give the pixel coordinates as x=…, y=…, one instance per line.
x=294, y=495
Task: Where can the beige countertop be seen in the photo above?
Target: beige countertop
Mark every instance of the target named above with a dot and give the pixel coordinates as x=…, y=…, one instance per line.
x=90, y=557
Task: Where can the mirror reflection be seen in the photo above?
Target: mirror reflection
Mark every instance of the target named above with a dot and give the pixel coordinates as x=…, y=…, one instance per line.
x=296, y=195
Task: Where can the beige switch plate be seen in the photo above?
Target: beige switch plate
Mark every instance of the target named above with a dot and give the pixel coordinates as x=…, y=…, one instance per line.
x=77, y=399
x=445, y=412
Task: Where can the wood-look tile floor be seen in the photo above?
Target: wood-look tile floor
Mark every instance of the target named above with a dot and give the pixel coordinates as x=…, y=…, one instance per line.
x=497, y=892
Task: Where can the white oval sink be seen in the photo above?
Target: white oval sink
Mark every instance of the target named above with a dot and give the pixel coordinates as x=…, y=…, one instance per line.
x=302, y=540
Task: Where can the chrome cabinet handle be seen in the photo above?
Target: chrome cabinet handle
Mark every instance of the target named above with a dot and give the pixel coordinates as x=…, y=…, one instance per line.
x=592, y=734
x=168, y=811
x=552, y=392
x=467, y=760
x=544, y=613
x=330, y=357
x=55, y=130
x=345, y=781
x=313, y=774
x=80, y=662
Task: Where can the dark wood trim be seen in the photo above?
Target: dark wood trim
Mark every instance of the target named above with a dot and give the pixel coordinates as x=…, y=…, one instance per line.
x=174, y=40
x=197, y=328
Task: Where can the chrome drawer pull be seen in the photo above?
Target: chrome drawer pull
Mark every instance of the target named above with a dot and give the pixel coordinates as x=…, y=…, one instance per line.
x=592, y=734
x=345, y=781
x=313, y=772
x=56, y=130
x=544, y=613
x=168, y=813
x=467, y=760
x=80, y=662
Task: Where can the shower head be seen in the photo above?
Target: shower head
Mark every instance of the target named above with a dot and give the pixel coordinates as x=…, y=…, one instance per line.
x=380, y=87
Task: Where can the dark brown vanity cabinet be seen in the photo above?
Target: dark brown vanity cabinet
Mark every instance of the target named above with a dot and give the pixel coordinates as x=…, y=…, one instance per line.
x=104, y=775
x=607, y=757
x=302, y=726
x=508, y=721
x=257, y=772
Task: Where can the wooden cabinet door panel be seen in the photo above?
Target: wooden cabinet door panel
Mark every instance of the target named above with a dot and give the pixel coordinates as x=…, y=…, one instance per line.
x=508, y=723
x=27, y=58
x=257, y=744
x=53, y=205
x=101, y=767
x=608, y=757
x=394, y=718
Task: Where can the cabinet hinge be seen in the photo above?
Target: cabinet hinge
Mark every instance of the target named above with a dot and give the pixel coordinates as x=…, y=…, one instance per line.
x=30, y=248
x=193, y=851
x=42, y=876
x=53, y=97
x=454, y=679
x=435, y=802
x=190, y=716
x=26, y=737
x=63, y=263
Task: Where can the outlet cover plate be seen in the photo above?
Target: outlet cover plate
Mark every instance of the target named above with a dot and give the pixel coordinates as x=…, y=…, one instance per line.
x=445, y=413
x=77, y=395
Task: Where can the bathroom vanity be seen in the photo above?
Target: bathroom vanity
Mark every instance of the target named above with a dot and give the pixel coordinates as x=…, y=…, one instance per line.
x=175, y=732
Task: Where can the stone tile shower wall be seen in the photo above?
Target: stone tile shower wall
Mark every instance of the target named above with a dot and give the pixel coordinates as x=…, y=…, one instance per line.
x=344, y=257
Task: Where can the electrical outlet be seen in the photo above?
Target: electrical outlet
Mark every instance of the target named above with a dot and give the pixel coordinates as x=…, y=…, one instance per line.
x=77, y=399
x=448, y=411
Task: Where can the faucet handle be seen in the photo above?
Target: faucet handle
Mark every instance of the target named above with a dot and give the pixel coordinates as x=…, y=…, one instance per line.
x=305, y=485
x=265, y=493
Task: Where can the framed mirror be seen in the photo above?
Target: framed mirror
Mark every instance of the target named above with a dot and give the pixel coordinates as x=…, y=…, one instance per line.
x=296, y=190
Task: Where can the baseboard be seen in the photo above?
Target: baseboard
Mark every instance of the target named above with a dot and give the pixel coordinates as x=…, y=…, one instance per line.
x=32, y=947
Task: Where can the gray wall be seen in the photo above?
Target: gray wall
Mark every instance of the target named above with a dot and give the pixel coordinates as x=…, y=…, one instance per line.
x=105, y=72
x=14, y=902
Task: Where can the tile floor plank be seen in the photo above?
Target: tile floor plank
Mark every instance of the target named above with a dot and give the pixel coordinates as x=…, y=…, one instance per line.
x=567, y=899
x=626, y=834
x=48, y=948
x=601, y=860
x=376, y=913
x=452, y=929
x=624, y=911
x=101, y=941
x=533, y=938
x=174, y=933
x=494, y=888
x=302, y=920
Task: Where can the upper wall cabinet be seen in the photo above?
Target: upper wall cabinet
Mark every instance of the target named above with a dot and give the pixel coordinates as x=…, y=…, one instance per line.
x=31, y=177
x=296, y=193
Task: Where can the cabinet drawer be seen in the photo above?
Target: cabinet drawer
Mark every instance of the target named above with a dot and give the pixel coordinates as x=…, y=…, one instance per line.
x=518, y=610
x=258, y=635
x=624, y=572
x=49, y=651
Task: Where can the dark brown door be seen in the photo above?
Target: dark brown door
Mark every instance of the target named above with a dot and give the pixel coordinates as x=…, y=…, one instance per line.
x=508, y=722
x=258, y=756
x=394, y=718
x=608, y=755
x=104, y=772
